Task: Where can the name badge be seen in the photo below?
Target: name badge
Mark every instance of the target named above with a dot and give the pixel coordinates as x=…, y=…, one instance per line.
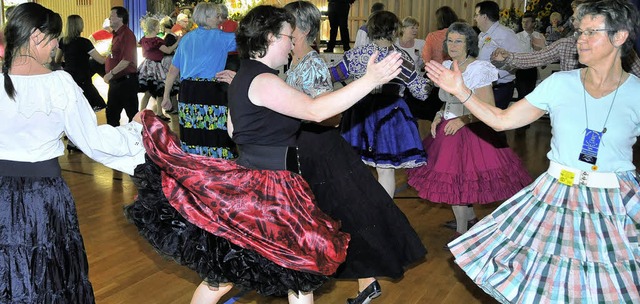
x=566, y=177
x=590, y=146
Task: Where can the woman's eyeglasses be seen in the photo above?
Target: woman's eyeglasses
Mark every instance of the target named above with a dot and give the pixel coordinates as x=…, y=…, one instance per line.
x=589, y=33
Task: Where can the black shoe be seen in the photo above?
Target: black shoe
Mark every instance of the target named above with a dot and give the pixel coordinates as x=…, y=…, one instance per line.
x=328, y=51
x=165, y=118
x=453, y=225
x=364, y=297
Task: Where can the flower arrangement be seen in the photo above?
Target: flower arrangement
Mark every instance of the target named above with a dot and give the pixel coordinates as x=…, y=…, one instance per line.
x=510, y=17
x=542, y=9
x=237, y=8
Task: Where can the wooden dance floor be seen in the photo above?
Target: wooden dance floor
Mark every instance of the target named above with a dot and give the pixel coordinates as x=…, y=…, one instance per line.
x=125, y=269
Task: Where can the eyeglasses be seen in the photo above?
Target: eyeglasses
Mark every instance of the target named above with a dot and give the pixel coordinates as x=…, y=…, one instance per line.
x=290, y=36
x=589, y=33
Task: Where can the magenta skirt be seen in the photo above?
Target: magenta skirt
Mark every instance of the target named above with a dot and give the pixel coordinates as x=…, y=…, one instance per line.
x=473, y=166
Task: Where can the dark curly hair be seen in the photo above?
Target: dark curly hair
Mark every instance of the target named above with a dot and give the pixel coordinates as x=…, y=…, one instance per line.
x=252, y=36
x=25, y=19
x=471, y=38
x=383, y=25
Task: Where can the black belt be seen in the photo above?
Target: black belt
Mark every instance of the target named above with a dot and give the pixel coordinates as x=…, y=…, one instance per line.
x=269, y=157
x=123, y=78
x=45, y=168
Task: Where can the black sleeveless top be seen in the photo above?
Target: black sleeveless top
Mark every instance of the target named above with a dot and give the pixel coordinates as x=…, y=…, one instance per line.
x=253, y=124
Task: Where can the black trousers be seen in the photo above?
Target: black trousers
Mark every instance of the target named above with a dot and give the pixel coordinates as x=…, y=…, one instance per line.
x=123, y=94
x=90, y=92
x=526, y=81
x=338, y=13
x=503, y=94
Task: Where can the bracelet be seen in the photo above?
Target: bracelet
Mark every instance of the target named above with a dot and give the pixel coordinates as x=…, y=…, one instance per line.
x=470, y=93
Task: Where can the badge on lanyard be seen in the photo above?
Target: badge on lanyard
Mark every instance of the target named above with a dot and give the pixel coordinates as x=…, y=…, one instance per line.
x=590, y=145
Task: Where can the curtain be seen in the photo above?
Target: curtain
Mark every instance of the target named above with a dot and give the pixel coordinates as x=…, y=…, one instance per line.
x=137, y=9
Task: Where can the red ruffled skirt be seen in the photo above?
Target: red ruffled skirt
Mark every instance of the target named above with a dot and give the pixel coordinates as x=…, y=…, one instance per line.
x=258, y=229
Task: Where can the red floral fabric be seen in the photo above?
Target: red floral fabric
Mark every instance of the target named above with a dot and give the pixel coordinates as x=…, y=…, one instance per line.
x=270, y=212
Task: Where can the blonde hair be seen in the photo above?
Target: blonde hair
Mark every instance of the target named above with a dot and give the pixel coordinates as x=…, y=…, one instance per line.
x=410, y=21
x=74, y=28
x=151, y=24
x=555, y=16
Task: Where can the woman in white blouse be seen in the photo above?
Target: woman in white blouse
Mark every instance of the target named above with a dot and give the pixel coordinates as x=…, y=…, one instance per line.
x=42, y=254
x=408, y=42
x=468, y=163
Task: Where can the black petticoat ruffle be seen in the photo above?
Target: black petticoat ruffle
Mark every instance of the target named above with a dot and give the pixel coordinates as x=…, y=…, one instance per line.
x=215, y=259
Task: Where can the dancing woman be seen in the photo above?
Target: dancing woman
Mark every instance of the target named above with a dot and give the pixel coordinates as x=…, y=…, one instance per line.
x=468, y=162
x=572, y=236
x=250, y=223
x=42, y=255
x=382, y=242
x=381, y=127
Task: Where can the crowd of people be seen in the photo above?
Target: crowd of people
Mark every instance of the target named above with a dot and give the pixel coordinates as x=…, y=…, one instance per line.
x=269, y=184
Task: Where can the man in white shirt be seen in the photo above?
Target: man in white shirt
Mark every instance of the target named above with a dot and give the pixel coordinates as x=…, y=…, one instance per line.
x=530, y=41
x=495, y=35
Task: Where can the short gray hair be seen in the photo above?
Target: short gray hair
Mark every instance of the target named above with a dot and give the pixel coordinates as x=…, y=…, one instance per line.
x=204, y=11
x=223, y=10
x=307, y=18
x=619, y=15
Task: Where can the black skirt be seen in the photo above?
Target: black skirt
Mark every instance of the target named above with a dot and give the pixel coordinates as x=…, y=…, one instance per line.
x=383, y=243
x=42, y=255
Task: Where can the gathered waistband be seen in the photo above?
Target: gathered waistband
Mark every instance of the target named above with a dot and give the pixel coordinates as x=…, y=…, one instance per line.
x=269, y=157
x=584, y=178
x=45, y=168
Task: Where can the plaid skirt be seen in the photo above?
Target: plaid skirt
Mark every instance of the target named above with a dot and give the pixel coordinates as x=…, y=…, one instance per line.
x=553, y=243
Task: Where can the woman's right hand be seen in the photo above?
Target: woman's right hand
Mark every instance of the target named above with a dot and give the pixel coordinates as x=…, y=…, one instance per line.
x=434, y=125
x=383, y=71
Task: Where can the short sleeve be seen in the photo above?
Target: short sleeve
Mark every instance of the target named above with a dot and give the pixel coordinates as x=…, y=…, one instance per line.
x=480, y=74
x=86, y=45
x=538, y=98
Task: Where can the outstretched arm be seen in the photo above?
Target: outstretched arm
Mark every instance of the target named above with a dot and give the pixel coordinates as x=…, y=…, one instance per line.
x=519, y=114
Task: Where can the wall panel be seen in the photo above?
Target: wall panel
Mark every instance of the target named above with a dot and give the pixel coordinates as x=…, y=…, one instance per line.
x=422, y=10
x=93, y=12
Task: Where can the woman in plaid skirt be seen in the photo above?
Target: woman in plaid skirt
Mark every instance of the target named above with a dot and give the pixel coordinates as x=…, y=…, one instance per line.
x=573, y=235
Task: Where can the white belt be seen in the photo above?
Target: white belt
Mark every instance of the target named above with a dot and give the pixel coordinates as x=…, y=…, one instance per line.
x=584, y=178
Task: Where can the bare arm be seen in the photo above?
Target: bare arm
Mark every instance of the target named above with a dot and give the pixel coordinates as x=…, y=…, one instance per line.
x=172, y=75
x=168, y=49
x=301, y=106
x=117, y=69
x=96, y=56
x=519, y=114
x=229, y=124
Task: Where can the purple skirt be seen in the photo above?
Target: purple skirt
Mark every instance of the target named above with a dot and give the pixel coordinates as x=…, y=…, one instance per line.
x=473, y=166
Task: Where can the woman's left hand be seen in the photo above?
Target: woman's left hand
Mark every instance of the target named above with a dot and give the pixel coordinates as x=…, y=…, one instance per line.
x=453, y=126
x=226, y=76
